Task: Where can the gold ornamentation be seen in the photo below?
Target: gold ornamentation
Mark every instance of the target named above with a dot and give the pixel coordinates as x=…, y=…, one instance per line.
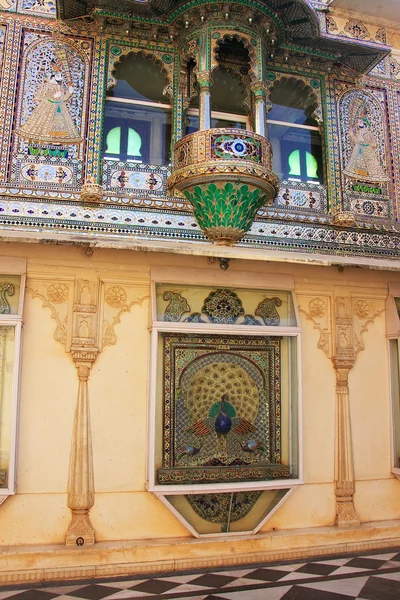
x=91, y=192
x=216, y=379
x=57, y=293
x=225, y=236
x=344, y=218
x=51, y=120
x=3, y=477
x=9, y=289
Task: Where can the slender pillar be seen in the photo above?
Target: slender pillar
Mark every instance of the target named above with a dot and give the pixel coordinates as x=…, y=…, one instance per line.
x=346, y=515
x=260, y=116
x=81, y=478
x=203, y=79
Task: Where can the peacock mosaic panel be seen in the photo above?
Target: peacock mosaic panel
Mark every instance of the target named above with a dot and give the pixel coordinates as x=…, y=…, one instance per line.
x=221, y=409
x=224, y=306
x=51, y=114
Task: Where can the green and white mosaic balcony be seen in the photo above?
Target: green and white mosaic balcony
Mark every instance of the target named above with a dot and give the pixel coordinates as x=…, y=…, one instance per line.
x=226, y=175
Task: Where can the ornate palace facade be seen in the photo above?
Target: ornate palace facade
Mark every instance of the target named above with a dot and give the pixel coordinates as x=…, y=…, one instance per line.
x=199, y=284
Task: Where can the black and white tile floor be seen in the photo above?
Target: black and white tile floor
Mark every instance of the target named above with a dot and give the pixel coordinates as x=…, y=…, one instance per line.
x=367, y=577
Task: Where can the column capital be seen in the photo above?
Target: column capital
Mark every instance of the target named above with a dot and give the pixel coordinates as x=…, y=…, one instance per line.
x=259, y=90
x=204, y=79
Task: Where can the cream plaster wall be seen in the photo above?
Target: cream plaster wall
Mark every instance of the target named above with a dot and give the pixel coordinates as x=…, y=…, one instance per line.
x=118, y=389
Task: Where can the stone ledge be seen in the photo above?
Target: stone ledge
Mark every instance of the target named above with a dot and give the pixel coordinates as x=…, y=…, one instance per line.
x=19, y=565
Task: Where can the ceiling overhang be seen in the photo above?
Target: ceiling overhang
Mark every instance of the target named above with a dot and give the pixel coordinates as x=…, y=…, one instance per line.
x=299, y=25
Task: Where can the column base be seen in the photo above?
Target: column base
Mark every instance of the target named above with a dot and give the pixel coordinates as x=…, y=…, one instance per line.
x=346, y=515
x=80, y=530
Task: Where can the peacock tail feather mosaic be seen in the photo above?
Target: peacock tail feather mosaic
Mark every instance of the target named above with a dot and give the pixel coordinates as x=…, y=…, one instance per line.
x=225, y=212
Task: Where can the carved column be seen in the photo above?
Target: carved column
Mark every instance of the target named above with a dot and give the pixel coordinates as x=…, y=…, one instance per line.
x=84, y=349
x=346, y=515
x=81, y=477
x=203, y=79
x=351, y=319
x=84, y=331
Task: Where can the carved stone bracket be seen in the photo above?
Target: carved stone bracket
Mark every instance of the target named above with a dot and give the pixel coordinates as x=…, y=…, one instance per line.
x=317, y=309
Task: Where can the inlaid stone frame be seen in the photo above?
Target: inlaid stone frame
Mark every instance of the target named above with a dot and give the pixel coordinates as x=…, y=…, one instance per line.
x=51, y=117
x=225, y=447
x=206, y=376
x=365, y=164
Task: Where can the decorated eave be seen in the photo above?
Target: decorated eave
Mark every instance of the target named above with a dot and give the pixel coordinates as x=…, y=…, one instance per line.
x=297, y=22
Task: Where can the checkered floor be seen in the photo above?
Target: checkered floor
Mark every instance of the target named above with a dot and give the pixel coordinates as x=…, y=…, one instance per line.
x=368, y=577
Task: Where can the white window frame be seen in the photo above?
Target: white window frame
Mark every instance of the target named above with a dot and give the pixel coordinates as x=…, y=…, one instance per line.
x=308, y=128
x=217, y=114
x=14, y=266
x=142, y=103
x=393, y=333
x=234, y=280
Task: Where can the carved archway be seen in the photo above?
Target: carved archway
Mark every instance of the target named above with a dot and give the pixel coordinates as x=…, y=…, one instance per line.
x=309, y=89
x=220, y=35
x=163, y=60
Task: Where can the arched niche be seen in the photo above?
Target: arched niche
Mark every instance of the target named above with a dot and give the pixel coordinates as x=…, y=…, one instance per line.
x=305, y=92
x=252, y=45
x=230, y=80
x=163, y=60
x=137, y=123
x=294, y=130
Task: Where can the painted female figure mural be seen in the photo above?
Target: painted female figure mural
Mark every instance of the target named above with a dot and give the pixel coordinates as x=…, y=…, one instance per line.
x=51, y=121
x=364, y=162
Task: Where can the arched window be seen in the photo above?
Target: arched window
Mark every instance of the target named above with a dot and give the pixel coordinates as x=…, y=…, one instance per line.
x=294, y=133
x=228, y=99
x=137, y=126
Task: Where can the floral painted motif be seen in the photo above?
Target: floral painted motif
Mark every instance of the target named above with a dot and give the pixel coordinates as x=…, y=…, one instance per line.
x=223, y=306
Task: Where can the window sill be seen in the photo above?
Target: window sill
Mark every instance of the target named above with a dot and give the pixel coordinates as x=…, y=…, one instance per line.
x=209, y=488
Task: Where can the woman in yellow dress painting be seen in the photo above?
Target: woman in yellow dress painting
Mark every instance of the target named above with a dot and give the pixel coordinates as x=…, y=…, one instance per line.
x=364, y=162
x=51, y=122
